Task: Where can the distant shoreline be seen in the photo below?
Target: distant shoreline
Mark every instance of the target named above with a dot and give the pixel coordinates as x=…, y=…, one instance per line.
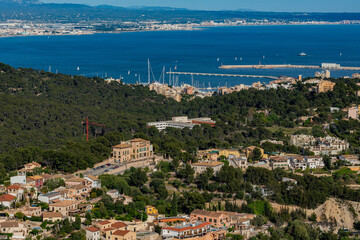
x=191, y=28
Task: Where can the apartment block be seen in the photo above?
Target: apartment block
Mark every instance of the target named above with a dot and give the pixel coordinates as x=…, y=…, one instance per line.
x=135, y=150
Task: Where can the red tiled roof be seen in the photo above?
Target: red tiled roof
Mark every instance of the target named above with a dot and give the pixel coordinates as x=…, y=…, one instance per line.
x=93, y=229
x=201, y=225
x=104, y=222
x=13, y=187
x=6, y=198
x=118, y=225
x=121, y=232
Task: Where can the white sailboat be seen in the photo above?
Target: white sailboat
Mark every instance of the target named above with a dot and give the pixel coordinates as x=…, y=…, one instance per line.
x=78, y=68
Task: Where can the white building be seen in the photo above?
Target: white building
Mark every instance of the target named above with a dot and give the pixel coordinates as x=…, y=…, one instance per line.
x=92, y=233
x=314, y=162
x=49, y=197
x=181, y=123
x=18, y=179
x=95, y=181
x=186, y=230
x=330, y=65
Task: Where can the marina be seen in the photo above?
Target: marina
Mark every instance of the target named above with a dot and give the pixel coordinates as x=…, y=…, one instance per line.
x=328, y=66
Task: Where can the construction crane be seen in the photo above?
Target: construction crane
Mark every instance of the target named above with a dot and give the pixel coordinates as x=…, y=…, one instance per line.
x=87, y=127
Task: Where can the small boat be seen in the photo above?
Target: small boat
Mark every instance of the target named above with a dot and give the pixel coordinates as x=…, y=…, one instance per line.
x=78, y=68
x=263, y=57
x=175, y=68
x=236, y=59
x=129, y=72
x=340, y=54
x=241, y=59
x=302, y=54
x=218, y=59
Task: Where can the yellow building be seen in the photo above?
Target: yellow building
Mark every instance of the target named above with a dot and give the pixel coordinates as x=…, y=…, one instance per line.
x=325, y=86
x=227, y=152
x=150, y=210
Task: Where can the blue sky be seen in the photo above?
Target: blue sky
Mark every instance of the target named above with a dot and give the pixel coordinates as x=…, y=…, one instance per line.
x=261, y=5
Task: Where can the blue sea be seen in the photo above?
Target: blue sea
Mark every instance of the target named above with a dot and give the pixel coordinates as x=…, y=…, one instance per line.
x=126, y=54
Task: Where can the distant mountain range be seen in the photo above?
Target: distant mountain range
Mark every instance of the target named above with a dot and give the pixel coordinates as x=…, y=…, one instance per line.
x=35, y=10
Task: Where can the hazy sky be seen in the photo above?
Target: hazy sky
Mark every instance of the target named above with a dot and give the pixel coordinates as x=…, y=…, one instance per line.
x=265, y=5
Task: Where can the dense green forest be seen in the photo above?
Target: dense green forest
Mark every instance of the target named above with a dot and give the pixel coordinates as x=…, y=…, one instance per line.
x=41, y=117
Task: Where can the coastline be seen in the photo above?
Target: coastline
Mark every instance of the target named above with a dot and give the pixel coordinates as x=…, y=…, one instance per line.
x=191, y=27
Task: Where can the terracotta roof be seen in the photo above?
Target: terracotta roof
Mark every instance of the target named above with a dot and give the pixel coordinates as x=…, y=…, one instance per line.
x=92, y=177
x=9, y=224
x=138, y=140
x=77, y=187
x=123, y=145
x=34, y=164
x=63, y=203
x=278, y=159
x=104, y=222
x=92, y=229
x=208, y=164
x=6, y=198
x=36, y=177
x=121, y=232
x=185, y=228
x=13, y=187
x=206, y=213
x=46, y=176
x=51, y=215
x=108, y=229
x=75, y=180
x=118, y=225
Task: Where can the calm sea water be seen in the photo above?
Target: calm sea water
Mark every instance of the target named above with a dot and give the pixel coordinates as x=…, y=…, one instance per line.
x=113, y=55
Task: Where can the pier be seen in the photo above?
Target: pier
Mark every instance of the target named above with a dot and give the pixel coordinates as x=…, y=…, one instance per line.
x=220, y=75
x=286, y=66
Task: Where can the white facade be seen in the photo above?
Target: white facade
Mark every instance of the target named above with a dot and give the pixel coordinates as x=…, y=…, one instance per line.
x=94, y=183
x=90, y=235
x=18, y=179
x=49, y=197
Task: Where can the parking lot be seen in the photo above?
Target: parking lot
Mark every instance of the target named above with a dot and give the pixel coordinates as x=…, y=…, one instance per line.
x=103, y=169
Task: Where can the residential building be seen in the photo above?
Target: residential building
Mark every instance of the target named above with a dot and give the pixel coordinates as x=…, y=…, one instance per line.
x=63, y=207
x=7, y=200
x=279, y=162
x=272, y=141
x=30, y=211
x=353, y=112
x=52, y=216
x=325, y=86
x=297, y=162
x=314, y=162
x=21, y=179
x=16, y=191
x=49, y=197
x=201, y=167
x=92, y=233
x=239, y=162
x=217, y=219
x=186, y=230
x=227, y=152
x=352, y=159
x=17, y=229
x=135, y=150
x=38, y=181
x=181, y=123
x=76, y=192
x=103, y=225
x=95, y=181
x=31, y=166
x=330, y=65
x=123, y=235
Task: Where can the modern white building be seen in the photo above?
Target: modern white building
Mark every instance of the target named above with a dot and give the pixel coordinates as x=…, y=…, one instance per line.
x=49, y=197
x=330, y=65
x=181, y=123
x=95, y=181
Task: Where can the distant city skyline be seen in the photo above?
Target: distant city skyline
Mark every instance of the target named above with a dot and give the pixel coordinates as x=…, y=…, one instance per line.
x=257, y=5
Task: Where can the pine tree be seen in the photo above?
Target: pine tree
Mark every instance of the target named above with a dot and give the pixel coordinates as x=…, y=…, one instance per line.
x=174, y=205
